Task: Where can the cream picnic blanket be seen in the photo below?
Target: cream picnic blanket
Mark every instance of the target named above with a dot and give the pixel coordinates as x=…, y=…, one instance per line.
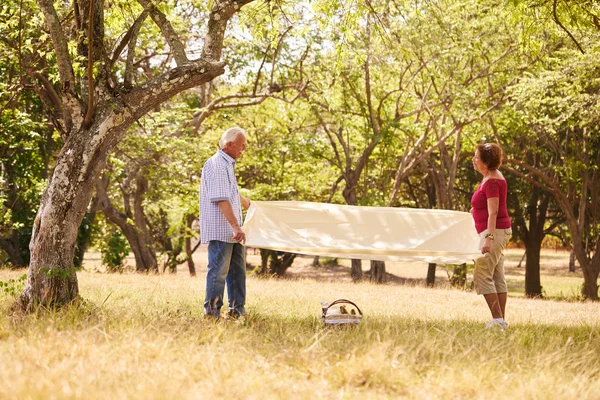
x=368, y=233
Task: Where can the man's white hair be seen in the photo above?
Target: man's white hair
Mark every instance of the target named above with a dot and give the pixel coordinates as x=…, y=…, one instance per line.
x=230, y=135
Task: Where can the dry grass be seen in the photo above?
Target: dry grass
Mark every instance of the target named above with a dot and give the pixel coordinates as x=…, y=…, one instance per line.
x=144, y=337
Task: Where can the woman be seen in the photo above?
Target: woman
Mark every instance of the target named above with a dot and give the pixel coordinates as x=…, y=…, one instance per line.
x=494, y=228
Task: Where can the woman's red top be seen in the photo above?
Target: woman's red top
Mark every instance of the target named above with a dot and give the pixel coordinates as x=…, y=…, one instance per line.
x=489, y=189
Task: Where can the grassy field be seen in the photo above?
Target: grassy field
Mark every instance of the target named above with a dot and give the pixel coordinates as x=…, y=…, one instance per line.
x=144, y=337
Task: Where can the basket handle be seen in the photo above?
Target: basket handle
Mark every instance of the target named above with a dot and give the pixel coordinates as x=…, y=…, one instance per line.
x=344, y=301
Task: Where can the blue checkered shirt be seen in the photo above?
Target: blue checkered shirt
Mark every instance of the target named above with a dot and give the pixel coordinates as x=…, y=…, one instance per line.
x=218, y=183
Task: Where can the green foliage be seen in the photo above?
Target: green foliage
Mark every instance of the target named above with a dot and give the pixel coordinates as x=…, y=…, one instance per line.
x=553, y=124
x=13, y=287
x=114, y=251
x=61, y=273
x=27, y=143
x=24, y=160
x=574, y=21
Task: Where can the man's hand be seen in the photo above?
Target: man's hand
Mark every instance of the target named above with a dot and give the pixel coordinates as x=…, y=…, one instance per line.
x=239, y=235
x=245, y=202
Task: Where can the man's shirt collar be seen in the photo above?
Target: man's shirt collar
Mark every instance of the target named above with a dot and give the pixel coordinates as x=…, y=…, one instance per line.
x=226, y=156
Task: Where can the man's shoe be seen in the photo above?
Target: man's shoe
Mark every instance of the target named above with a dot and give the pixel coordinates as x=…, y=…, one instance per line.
x=236, y=317
x=212, y=317
x=493, y=323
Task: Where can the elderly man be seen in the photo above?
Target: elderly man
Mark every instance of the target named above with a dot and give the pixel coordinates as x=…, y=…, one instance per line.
x=220, y=226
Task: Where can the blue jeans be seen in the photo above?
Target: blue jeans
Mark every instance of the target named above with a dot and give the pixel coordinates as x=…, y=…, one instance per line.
x=226, y=266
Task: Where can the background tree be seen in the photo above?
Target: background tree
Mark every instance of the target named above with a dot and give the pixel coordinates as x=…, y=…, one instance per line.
x=397, y=97
x=558, y=108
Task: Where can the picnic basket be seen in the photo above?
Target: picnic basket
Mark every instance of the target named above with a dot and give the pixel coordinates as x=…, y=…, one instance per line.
x=340, y=312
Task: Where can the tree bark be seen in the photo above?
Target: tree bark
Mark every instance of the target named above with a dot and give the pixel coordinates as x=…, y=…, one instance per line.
x=279, y=265
x=430, y=275
x=356, y=272
x=533, y=287
x=377, y=272
x=537, y=210
x=272, y=264
x=459, y=276
x=572, y=261
x=11, y=247
x=188, y=245
x=138, y=239
x=264, y=262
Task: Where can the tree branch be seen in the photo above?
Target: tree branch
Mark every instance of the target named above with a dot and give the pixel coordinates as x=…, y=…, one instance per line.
x=131, y=35
x=90, y=68
x=220, y=14
x=218, y=104
x=402, y=172
x=72, y=109
x=262, y=64
x=276, y=53
x=167, y=30
x=555, y=16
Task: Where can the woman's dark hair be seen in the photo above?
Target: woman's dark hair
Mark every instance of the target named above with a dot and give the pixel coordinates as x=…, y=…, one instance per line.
x=490, y=154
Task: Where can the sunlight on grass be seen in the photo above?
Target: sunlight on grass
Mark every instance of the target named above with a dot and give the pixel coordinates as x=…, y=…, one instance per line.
x=144, y=337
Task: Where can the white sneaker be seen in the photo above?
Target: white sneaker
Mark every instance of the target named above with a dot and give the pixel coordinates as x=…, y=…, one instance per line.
x=493, y=323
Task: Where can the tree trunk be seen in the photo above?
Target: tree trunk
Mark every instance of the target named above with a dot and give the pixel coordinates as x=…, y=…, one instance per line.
x=590, y=270
x=279, y=265
x=144, y=240
x=145, y=259
x=459, y=276
x=431, y=274
x=377, y=273
x=356, y=270
x=589, y=267
x=51, y=279
x=572, y=261
x=272, y=264
x=532, y=235
x=590, y=289
x=264, y=262
x=533, y=287
x=12, y=249
x=537, y=210
x=188, y=245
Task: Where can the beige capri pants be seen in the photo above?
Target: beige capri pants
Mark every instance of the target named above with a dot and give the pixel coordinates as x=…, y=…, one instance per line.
x=489, y=268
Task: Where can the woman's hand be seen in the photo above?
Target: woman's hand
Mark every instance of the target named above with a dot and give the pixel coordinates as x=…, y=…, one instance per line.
x=487, y=246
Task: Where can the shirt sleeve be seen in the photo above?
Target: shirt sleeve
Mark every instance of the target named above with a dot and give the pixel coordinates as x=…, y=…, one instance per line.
x=218, y=185
x=492, y=189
